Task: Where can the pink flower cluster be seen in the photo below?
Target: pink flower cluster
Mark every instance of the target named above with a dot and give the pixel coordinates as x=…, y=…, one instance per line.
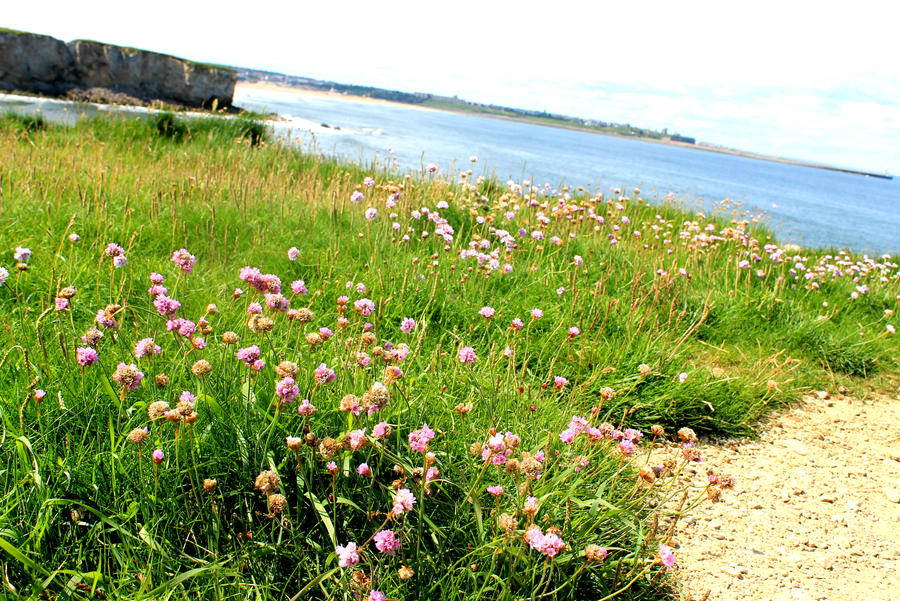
x=418, y=439
x=548, y=544
x=287, y=390
x=264, y=282
x=184, y=259
x=323, y=374
x=403, y=501
x=387, y=542
x=499, y=447
x=249, y=355
x=86, y=356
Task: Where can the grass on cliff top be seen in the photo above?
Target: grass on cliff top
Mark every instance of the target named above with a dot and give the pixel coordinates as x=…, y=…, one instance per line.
x=631, y=314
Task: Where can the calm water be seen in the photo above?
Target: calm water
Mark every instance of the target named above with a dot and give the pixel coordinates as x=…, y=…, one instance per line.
x=812, y=207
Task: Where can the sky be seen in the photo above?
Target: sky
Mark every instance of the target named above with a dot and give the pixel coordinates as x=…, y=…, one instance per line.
x=814, y=81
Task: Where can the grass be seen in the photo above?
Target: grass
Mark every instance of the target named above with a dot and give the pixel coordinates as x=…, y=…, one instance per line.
x=672, y=329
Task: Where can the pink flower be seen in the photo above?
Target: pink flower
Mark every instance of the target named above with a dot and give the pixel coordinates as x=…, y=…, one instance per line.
x=258, y=365
x=682, y=377
x=467, y=355
x=356, y=197
x=559, y=382
x=120, y=261
x=254, y=308
x=486, y=312
x=157, y=456
x=376, y=596
x=287, y=390
x=418, y=439
x=407, y=325
x=324, y=375
x=156, y=278
x=184, y=259
x=293, y=253
x=495, y=490
x=299, y=287
x=364, y=471
x=381, y=430
x=536, y=313
x=403, y=501
x=357, y=439
x=573, y=332
x=364, y=306
x=306, y=408
x=86, y=356
x=432, y=474
x=62, y=304
x=166, y=306
x=325, y=333
x=578, y=260
x=547, y=544
x=387, y=542
x=347, y=556
x=248, y=355
x=332, y=468
x=146, y=346
x=371, y=213
x=665, y=556
x=517, y=324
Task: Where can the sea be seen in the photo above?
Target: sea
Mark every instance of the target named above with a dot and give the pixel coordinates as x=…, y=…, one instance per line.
x=803, y=205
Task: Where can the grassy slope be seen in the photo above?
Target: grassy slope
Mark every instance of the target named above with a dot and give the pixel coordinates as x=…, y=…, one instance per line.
x=82, y=499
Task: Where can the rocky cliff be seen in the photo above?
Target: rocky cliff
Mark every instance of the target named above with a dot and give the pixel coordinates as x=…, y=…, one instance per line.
x=39, y=63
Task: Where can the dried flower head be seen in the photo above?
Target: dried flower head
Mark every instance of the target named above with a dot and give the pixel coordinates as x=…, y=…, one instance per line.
x=67, y=292
x=162, y=380
x=287, y=369
x=595, y=553
x=463, y=408
x=304, y=315
x=405, y=573
x=157, y=410
x=260, y=323
x=508, y=522
x=209, y=485
x=687, y=435
x=229, y=337
x=268, y=482
x=657, y=430
x=277, y=503
x=607, y=393
x=313, y=339
x=137, y=435
x=329, y=447
x=201, y=368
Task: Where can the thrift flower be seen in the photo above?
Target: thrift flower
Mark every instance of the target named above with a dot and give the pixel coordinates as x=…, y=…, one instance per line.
x=158, y=456
x=347, y=555
x=86, y=356
x=184, y=259
x=467, y=355
x=665, y=556
x=403, y=501
x=418, y=439
x=387, y=542
x=407, y=325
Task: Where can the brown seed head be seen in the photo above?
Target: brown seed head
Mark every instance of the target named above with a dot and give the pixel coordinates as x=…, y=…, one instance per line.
x=329, y=447
x=657, y=430
x=209, y=485
x=405, y=573
x=201, y=368
x=229, y=337
x=595, y=553
x=687, y=435
x=268, y=482
x=277, y=503
x=162, y=380
x=137, y=435
x=67, y=292
x=508, y=522
x=287, y=369
x=304, y=315
x=313, y=338
x=157, y=410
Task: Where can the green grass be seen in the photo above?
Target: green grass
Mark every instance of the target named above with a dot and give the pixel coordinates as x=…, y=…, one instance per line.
x=85, y=509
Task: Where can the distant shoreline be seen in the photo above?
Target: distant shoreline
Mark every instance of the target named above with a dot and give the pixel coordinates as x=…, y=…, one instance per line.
x=274, y=87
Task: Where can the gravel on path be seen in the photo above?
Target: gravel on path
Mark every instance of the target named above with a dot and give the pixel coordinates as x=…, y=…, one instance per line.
x=815, y=512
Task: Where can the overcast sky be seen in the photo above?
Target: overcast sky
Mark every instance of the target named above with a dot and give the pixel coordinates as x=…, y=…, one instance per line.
x=809, y=80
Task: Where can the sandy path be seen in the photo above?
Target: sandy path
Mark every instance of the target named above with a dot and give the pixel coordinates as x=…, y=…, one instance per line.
x=815, y=513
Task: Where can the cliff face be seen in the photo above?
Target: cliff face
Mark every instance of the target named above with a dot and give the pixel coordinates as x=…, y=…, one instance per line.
x=43, y=64
x=34, y=62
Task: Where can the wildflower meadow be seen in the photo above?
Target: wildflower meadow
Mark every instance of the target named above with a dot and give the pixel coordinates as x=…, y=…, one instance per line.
x=231, y=369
